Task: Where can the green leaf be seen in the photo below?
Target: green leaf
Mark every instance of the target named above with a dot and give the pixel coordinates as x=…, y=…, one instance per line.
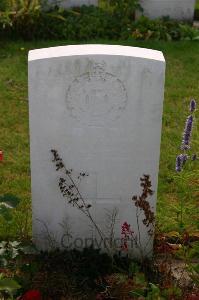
x=56, y=16
x=137, y=293
x=168, y=37
x=31, y=249
x=15, y=253
x=15, y=244
x=9, y=200
x=154, y=288
x=8, y=284
x=2, y=251
x=3, y=262
x=196, y=268
x=133, y=268
x=3, y=244
x=140, y=279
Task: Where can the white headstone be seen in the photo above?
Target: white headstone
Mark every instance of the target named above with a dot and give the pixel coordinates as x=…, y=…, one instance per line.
x=100, y=107
x=72, y=3
x=174, y=9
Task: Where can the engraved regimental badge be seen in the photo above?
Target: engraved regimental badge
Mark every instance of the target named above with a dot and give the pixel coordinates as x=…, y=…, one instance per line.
x=96, y=97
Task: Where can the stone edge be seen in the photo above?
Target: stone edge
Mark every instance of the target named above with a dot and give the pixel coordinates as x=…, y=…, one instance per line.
x=96, y=49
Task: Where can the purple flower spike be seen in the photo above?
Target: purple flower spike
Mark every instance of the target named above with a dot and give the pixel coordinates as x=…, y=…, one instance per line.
x=179, y=162
x=192, y=105
x=187, y=133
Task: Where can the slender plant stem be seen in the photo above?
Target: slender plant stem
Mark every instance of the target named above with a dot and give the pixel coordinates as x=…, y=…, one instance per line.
x=86, y=211
x=139, y=237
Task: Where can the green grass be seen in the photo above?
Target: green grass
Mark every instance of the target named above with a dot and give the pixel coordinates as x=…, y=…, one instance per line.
x=197, y=4
x=182, y=77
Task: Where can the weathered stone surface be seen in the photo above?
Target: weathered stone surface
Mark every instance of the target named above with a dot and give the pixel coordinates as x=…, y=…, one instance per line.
x=100, y=107
x=175, y=9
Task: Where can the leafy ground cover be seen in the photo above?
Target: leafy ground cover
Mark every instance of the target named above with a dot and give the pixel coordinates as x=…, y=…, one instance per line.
x=111, y=20
x=88, y=274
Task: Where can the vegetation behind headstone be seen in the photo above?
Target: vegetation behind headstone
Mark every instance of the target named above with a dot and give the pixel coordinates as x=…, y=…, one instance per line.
x=112, y=20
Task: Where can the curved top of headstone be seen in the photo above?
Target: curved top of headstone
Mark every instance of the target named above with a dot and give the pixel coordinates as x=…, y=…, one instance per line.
x=78, y=50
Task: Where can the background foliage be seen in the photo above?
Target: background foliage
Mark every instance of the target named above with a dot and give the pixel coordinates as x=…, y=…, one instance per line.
x=113, y=19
